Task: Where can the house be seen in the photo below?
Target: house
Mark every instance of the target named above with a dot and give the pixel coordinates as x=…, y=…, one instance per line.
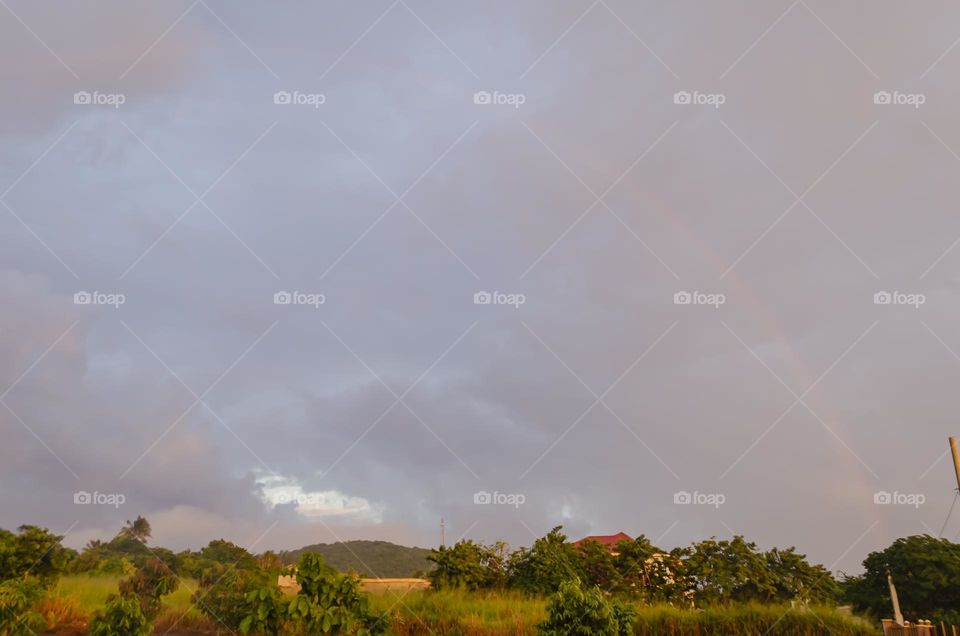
x=609, y=541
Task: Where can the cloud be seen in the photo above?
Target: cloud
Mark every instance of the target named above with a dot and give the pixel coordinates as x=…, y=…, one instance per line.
x=399, y=198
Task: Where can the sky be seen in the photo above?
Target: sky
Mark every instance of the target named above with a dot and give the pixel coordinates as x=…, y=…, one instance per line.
x=300, y=272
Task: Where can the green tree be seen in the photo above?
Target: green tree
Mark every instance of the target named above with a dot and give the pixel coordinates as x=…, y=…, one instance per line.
x=545, y=565
x=468, y=565
x=138, y=529
x=227, y=553
x=795, y=579
x=37, y=551
x=598, y=567
x=727, y=571
x=926, y=571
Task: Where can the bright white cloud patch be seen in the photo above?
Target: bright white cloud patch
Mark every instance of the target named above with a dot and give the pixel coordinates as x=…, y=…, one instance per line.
x=284, y=491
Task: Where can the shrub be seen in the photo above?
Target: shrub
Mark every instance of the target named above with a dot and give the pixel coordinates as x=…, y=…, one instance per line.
x=263, y=611
x=151, y=582
x=574, y=611
x=224, y=591
x=330, y=603
x=17, y=614
x=122, y=616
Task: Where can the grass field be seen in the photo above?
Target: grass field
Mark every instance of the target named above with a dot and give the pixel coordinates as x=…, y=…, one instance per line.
x=512, y=614
x=92, y=591
x=449, y=613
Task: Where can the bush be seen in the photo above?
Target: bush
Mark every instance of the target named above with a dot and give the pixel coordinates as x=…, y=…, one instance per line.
x=18, y=616
x=224, y=591
x=263, y=611
x=574, y=611
x=122, y=616
x=148, y=585
x=330, y=603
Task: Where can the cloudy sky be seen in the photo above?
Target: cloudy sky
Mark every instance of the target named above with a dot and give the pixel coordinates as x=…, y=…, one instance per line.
x=295, y=272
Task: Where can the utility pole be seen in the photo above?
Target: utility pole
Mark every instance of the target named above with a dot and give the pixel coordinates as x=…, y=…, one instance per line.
x=443, y=538
x=956, y=459
x=897, y=616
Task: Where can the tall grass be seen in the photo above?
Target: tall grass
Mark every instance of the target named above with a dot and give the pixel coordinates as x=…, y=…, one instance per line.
x=506, y=613
x=459, y=612
x=91, y=591
x=453, y=613
x=750, y=620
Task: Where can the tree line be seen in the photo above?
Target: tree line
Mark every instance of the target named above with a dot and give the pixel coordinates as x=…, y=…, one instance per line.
x=710, y=572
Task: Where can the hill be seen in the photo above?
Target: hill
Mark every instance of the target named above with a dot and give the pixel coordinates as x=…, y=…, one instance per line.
x=368, y=558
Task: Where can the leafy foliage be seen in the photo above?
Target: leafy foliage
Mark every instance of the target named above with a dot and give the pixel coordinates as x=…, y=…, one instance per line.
x=122, y=616
x=926, y=571
x=545, y=565
x=123, y=554
x=152, y=581
x=330, y=603
x=138, y=529
x=469, y=565
x=224, y=591
x=709, y=572
x=18, y=616
x=574, y=611
x=264, y=612
x=33, y=550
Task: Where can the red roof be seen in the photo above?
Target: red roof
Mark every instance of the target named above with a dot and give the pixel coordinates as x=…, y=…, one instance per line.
x=610, y=541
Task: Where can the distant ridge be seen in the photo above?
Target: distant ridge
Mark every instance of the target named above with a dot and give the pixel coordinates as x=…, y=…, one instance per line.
x=368, y=558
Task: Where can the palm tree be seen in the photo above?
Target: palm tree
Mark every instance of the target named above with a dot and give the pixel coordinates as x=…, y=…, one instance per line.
x=138, y=529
